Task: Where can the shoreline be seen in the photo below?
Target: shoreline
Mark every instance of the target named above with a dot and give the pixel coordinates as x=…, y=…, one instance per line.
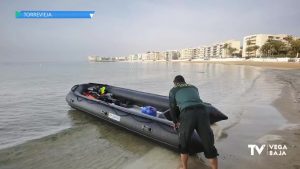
x=277, y=64
x=286, y=132
x=288, y=105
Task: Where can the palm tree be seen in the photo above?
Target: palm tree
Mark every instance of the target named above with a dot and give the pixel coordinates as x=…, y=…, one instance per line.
x=265, y=49
x=225, y=47
x=278, y=47
x=248, y=50
x=254, y=48
x=251, y=49
x=231, y=50
x=274, y=47
x=295, y=47
x=289, y=38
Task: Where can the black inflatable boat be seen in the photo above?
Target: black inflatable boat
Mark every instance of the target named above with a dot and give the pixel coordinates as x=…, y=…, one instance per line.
x=122, y=107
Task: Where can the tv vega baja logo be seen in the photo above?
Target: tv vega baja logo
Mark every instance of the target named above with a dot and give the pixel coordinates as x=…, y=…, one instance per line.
x=270, y=149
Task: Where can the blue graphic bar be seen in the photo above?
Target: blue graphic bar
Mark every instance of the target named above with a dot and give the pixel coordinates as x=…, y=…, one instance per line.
x=54, y=14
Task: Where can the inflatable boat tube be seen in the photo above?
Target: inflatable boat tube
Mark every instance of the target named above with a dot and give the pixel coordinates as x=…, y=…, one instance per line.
x=122, y=107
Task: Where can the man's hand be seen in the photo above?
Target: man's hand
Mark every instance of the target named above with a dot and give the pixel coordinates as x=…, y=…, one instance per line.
x=176, y=125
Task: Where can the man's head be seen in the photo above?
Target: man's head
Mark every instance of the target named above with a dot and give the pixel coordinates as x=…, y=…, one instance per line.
x=178, y=79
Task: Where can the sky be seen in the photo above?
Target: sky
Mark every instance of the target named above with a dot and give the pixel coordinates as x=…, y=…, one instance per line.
x=123, y=27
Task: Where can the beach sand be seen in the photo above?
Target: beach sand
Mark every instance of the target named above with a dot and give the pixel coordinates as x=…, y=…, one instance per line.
x=289, y=106
x=91, y=145
x=288, y=133
x=277, y=65
x=94, y=144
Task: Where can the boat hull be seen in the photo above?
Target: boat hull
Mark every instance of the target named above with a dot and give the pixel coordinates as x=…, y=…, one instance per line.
x=159, y=129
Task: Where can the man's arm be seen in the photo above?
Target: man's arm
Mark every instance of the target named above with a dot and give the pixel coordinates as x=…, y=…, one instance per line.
x=174, y=111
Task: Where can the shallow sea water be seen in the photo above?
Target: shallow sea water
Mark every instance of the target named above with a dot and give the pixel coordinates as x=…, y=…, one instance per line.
x=32, y=101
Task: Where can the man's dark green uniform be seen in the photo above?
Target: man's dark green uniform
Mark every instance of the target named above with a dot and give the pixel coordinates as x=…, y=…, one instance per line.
x=186, y=107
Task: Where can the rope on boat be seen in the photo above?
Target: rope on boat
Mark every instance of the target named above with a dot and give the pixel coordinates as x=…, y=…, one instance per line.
x=127, y=114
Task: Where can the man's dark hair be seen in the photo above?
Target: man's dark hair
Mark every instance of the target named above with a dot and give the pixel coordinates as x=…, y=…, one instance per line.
x=179, y=79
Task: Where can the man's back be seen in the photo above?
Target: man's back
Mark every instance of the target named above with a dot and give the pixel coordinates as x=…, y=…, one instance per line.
x=185, y=95
x=187, y=114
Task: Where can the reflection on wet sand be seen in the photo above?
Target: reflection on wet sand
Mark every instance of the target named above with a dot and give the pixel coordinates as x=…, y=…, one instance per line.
x=115, y=135
x=91, y=143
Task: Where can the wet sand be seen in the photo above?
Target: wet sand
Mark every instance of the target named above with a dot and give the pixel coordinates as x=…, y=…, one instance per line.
x=93, y=143
x=285, y=133
x=289, y=106
x=277, y=65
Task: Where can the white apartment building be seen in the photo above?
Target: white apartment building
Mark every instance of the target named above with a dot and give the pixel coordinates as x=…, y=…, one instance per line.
x=140, y=56
x=235, y=44
x=153, y=55
x=150, y=56
x=100, y=58
x=170, y=55
x=134, y=57
x=207, y=51
x=92, y=58
x=218, y=50
x=259, y=40
x=144, y=56
x=160, y=56
x=188, y=53
x=200, y=52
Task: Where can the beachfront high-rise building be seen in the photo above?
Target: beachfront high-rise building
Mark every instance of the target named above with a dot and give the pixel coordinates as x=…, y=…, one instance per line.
x=160, y=56
x=151, y=56
x=223, y=49
x=259, y=40
x=144, y=56
x=189, y=53
x=200, y=52
x=134, y=57
x=92, y=58
x=232, y=49
x=170, y=55
x=140, y=56
x=207, y=51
